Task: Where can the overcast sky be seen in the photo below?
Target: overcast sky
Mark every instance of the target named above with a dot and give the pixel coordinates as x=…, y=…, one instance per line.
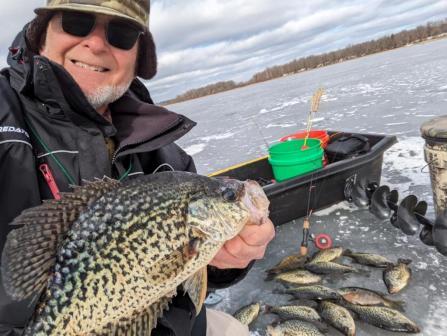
x=205, y=41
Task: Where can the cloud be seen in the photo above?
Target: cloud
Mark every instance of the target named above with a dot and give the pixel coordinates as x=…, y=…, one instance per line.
x=204, y=41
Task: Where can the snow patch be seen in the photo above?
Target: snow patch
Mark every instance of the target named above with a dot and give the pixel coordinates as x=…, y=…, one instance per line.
x=195, y=149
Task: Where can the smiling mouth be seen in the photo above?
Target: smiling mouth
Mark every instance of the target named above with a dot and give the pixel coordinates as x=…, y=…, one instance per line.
x=89, y=67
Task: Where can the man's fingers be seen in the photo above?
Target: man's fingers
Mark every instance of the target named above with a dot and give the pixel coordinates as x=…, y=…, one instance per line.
x=224, y=260
x=238, y=248
x=258, y=235
x=250, y=244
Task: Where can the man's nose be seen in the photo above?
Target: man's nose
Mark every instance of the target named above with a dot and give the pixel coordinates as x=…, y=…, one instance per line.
x=96, y=40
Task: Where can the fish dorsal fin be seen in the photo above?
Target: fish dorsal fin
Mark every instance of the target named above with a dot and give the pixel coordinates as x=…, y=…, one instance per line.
x=30, y=251
x=140, y=324
x=196, y=287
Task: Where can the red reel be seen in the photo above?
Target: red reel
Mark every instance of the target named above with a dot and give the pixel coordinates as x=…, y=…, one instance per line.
x=323, y=241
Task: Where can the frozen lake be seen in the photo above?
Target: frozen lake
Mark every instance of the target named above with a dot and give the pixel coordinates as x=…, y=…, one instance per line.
x=393, y=93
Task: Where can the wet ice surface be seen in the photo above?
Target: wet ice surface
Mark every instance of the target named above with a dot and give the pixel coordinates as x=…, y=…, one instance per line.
x=392, y=93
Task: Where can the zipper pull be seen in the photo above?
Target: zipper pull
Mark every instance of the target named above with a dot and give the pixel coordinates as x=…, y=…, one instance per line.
x=49, y=178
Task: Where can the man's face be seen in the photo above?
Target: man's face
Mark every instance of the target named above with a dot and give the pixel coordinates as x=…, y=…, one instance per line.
x=97, y=67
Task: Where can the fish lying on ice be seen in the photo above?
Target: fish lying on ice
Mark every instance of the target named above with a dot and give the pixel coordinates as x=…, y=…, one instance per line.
x=292, y=312
x=397, y=277
x=368, y=259
x=338, y=317
x=312, y=292
x=109, y=256
x=293, y=328
x=326, y=255
x=288, y=263
x=384, y=318
x=368, y=297
x=248, y=314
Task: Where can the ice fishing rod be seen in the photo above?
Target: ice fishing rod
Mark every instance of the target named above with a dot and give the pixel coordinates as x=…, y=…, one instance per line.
x=321, y=241
x=408, y=215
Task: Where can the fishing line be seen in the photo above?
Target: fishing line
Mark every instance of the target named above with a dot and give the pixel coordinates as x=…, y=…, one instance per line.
x=260, y=132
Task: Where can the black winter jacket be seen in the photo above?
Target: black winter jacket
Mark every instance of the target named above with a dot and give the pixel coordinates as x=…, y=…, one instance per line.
x=45, y=119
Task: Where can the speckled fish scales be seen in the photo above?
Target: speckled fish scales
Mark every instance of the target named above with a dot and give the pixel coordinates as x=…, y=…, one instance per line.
x=292, y=312
x=329, y=267
x=368, y=259
x=298, y=277
x=294, y=328
x=248, y=314
x=384, y=317
x=338, y=317
x=313, y=292
x=288, y=263
x=368, y=297
x=397, y=277
x=327, y=254
x=109, y=256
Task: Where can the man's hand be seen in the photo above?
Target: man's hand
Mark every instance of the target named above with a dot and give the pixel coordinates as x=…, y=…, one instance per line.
x=249, y=244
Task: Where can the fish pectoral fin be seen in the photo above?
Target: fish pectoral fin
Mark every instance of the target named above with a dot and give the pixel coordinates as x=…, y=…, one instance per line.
x=141, y=323
x=196, y=287
x=30, y=251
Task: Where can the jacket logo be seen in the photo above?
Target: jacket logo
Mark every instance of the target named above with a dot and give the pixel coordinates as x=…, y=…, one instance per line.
x=12, y=129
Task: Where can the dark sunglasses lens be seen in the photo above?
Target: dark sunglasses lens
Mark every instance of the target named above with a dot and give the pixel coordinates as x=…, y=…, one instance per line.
x=122, y=35
x=77, y=24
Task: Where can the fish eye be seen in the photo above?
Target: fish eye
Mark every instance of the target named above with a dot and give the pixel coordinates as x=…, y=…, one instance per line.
x=229, y=195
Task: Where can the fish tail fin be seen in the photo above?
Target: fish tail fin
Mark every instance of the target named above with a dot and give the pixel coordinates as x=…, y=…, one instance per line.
x=270, y=277
x=347, y=252
x=267, y=309
x=398, y=305
x=404, y=261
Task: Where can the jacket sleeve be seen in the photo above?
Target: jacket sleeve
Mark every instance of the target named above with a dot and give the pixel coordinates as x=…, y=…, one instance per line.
x=19, y=190
x=19, y=187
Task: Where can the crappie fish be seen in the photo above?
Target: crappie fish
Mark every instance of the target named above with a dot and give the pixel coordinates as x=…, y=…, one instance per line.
x=368, y=297
x=294, y=328
x=329, y=267
x=298, y=277
x=329, y=254
x=313, y=292
x=109, y=256
x=368, y=259
x=338, y=317
x=246, y=315
x=384, y=318
x=397, y=277
x=288, y=263
x=292, y=312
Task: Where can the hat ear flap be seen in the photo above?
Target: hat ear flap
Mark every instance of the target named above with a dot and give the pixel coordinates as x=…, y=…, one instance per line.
x=147, y=57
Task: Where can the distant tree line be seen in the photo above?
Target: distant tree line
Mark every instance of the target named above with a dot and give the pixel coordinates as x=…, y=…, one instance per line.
x=403, y=38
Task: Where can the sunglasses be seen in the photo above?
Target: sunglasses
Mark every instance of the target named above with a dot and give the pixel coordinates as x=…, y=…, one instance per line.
x=120, y=34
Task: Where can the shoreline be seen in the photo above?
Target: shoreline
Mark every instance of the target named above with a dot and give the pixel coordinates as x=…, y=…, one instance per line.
x=428, y=40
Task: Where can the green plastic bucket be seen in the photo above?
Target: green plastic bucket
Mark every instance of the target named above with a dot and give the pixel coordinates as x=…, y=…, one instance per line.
x=290, y=158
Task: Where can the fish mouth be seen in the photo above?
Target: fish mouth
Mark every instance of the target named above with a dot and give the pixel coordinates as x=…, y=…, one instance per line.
x=256, y=202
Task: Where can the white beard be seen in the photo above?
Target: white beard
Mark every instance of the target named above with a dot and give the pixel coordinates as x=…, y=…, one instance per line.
x=106, y=95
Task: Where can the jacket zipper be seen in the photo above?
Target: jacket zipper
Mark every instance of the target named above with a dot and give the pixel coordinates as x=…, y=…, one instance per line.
x=49, y=178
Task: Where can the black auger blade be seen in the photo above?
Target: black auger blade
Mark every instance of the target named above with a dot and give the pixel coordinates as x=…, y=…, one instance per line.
x=426, y=234
x=440, y=233
x=405, y=217
x=359, y=194
x=379, y=203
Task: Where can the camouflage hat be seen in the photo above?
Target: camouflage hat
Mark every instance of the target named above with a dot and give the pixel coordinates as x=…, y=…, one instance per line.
x=135, y=10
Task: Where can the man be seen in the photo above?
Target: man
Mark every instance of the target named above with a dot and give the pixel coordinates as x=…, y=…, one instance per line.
x=71, y=109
